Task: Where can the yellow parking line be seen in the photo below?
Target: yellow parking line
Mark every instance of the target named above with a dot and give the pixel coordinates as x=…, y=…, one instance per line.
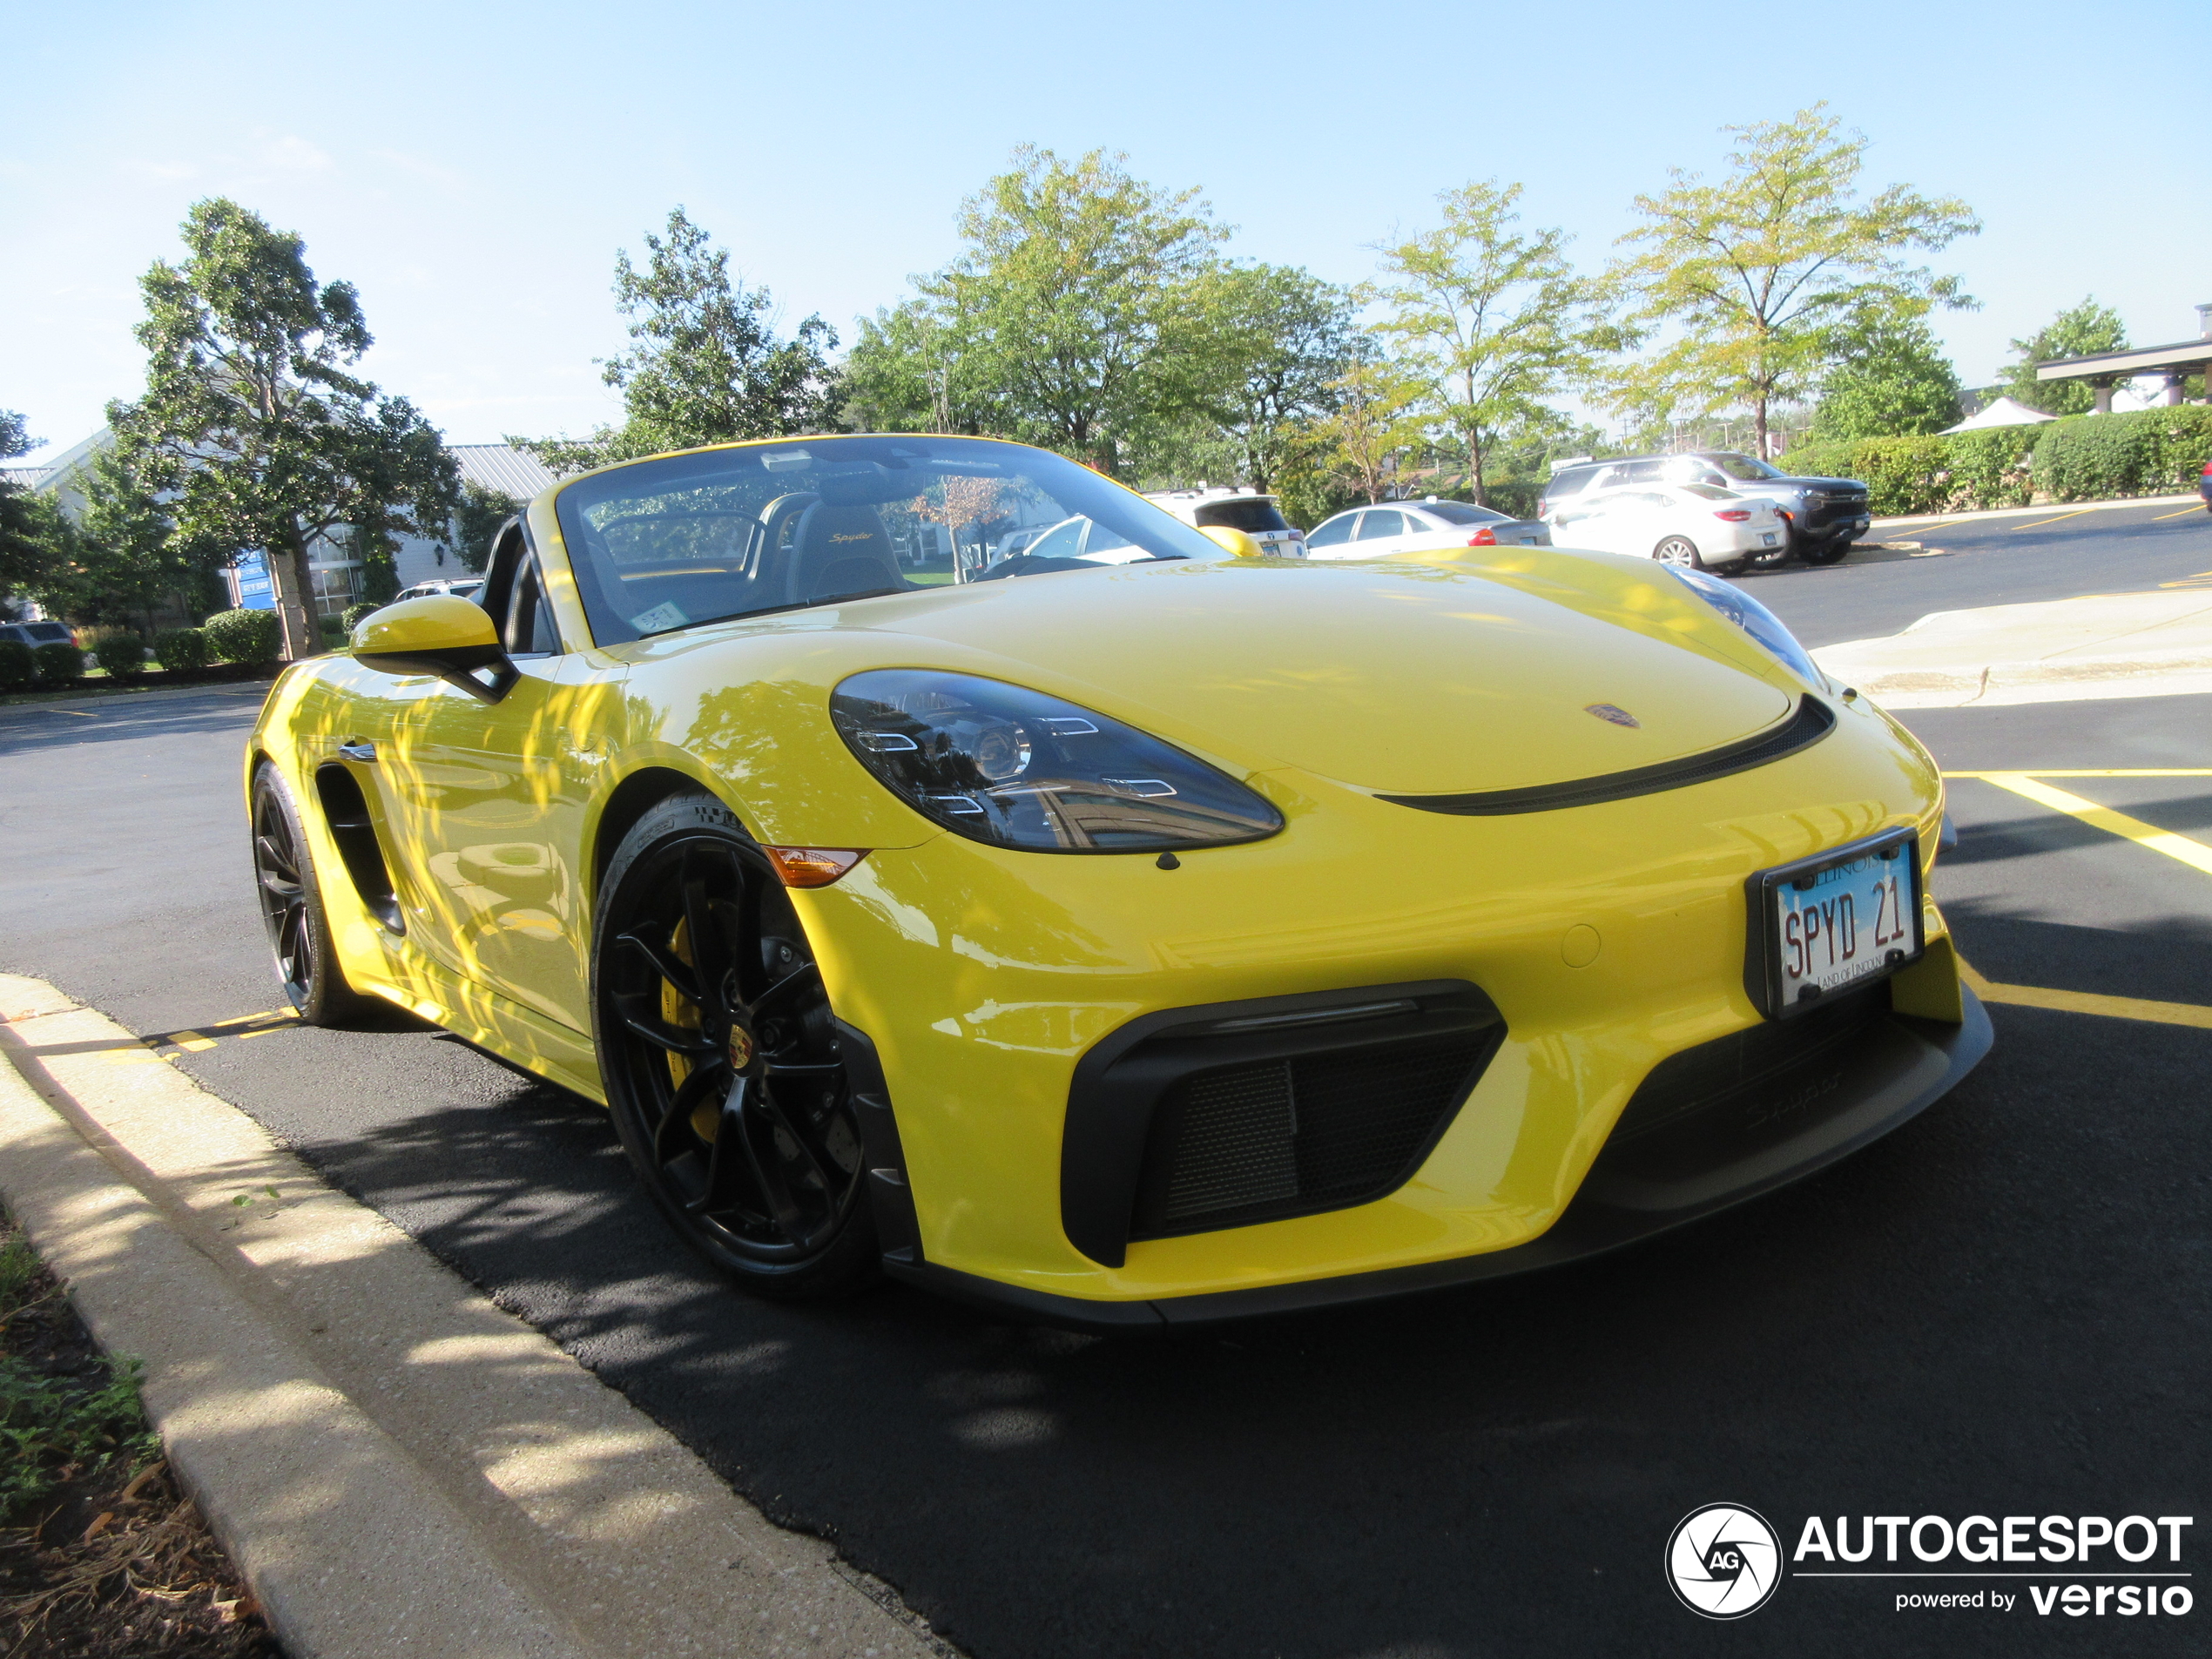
x=2201, y=579
x=2193, y=854
x=2032, y=522
x=2092, y=771
x=2162, y=517
x=2110, y=1007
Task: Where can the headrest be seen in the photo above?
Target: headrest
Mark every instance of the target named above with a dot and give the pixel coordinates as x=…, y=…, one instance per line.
x=841, y=548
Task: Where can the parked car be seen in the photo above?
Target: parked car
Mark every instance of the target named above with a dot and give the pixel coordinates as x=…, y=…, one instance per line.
x=2204, y=486
x=1700, y=527
x=1823, y=515
x=1259, y=516
x=1185, y=940
x=37, y=633
x=1419, y=527
x=460, y=588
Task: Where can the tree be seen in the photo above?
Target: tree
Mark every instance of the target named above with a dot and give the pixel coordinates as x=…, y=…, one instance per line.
x=2079, y=331
x=1062, y=318
x=1494, y=321
x=1891, y=381
x=482, y=511
x=1752, y=274
x=1377, y=421
x=27, y=526
x=707, y=367
x=127, y=557
x=1270, y=342
x=253, y=427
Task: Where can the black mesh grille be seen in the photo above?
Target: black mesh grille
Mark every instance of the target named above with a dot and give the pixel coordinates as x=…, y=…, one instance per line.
x=1759, y=1071
x=1315, y=1131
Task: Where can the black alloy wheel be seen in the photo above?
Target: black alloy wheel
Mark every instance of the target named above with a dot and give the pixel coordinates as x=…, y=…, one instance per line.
x=720, y=1057
x=1678, y=550
x=292, y=908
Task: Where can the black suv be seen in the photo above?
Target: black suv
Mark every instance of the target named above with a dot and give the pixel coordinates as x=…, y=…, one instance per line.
x=1825, y=515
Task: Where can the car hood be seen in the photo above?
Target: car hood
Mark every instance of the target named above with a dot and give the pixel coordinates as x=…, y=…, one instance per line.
x=1818, y=483
x=1389, y=676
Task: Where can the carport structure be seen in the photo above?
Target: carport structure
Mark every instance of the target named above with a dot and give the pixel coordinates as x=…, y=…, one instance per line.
x=2103, y=370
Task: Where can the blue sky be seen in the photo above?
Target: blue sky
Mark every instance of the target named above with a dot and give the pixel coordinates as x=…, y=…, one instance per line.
x=473, y=167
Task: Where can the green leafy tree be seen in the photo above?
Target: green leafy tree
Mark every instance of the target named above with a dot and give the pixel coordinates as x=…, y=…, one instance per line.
x=1891, y=381
x=1378, y=421
x=1065, y=317
x=708, y=366
x=32, y=533
x=1492, y=320
x=482, y=511
x=2079, y=331
x=1268, y=346
x=125, y=559
x=1749, y=277
x=254, y=426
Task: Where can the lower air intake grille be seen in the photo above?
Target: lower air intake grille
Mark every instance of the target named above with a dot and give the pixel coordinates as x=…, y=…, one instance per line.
x=1289, y=1136
x=1765, y=1072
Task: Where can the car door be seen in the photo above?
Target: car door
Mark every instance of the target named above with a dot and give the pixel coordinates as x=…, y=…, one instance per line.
x=1331, y=539
x=1597, y=521
x=1382, y=529
x=493, y=794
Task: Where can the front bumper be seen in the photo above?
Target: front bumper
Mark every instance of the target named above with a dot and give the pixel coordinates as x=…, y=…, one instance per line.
x=1676, y=1154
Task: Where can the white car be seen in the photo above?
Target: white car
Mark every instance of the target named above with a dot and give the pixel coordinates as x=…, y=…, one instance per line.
x=1260, y=516
x=1419, y=527
x=1699, y=526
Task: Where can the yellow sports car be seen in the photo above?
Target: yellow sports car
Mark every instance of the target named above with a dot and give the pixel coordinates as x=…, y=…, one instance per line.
x=1192, y=936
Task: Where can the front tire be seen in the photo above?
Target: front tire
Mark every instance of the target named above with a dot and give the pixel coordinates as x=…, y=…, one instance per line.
x=1823, y=552
x=719, y=1055
x=292, y=908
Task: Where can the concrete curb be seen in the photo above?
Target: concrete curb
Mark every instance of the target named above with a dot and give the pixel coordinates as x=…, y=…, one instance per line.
x=2156, y=644
x=2048, y=510
x=129, y=699
x=398, y=1466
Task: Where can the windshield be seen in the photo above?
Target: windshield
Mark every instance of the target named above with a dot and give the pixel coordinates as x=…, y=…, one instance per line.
x=1460, y=512
x=1711, y=492
x=1744, y=467
x=724, y=533
x=1251, y=514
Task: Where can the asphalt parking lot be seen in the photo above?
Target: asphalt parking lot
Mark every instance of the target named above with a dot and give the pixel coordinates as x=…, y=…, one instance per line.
x=1999, y=1310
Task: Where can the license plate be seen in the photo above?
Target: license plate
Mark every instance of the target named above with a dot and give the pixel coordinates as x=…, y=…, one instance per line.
x=1827, y=924
x=1769, y=541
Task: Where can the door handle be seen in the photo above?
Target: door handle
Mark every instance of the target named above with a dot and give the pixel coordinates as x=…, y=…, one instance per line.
x=357, y=751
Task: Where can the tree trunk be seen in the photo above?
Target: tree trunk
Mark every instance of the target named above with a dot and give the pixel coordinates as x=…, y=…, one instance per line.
x=295, y=587
x=1758, y=427
x=1475, y=466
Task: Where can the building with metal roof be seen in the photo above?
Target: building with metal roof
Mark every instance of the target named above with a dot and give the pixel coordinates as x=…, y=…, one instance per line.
x=2106, y=369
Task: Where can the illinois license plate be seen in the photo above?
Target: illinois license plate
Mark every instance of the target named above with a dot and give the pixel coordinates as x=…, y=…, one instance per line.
x=1769, y=541
x=1840, y=920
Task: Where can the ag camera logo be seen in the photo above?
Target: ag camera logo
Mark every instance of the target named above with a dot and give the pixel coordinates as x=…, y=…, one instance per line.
x=1723, y=1560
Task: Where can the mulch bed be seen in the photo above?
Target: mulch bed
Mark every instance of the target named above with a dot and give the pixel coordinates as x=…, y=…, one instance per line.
x=111, y=1560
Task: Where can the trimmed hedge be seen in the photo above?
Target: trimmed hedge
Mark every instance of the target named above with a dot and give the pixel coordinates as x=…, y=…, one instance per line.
x=249, y=637
x=2084, y=457
x=181, y=650
x=18, y=666
x=58, y=663
x=120, y=651
x=354, y=614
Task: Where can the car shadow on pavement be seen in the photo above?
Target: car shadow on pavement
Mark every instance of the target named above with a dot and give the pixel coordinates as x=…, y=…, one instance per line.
x=1447, y=1475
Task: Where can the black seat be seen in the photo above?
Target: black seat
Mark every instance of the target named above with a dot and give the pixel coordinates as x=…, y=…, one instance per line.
x=839, y=550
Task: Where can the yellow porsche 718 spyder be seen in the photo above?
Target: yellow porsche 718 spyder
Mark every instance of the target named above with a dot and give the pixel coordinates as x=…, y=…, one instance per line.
x=1161, y=933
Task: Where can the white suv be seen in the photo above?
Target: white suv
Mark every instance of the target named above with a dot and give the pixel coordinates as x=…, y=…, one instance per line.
x=1259, y=516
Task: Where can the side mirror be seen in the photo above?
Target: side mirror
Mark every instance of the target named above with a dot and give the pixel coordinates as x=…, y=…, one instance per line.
x=437, y=634
x=1230, y=541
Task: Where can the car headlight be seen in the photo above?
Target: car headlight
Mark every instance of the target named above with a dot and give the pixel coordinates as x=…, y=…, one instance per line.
x=1756, y=620
x=1006, y=765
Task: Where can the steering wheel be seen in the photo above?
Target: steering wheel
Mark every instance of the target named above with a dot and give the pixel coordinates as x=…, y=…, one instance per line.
x=773, y=573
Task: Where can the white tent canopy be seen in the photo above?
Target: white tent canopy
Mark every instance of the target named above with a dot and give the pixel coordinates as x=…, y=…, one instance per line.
x=2001, y=412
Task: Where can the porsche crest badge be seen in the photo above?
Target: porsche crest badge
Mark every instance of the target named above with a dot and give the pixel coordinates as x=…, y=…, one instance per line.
x=1612, y=712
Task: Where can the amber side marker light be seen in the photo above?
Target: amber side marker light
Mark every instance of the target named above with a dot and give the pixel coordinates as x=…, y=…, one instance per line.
x=811, y=866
